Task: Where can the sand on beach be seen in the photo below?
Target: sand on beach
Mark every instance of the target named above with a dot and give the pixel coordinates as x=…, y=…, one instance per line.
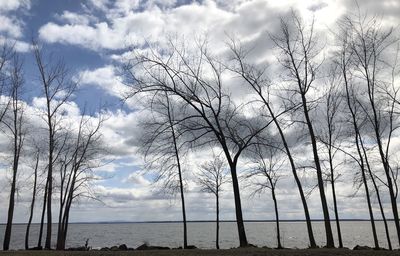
x=197, y=252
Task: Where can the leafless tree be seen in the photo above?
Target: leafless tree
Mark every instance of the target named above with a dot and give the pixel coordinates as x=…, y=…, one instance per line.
x=330, y=135
x=58, y=88
x=14, y=121
x=356, y=120
x=162, y=148
x=300, y=59
x=211, y=178
x=261, y=85
x=194, y=78
x=370, y=44
x=266, y=174
x=78, y=158
x=34, y=193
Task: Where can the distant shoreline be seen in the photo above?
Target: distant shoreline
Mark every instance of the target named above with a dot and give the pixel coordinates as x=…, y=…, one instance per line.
x=210, y=252
x=194, y=221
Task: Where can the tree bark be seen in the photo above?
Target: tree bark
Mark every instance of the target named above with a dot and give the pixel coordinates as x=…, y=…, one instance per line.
x=7, y=235
x=327, y=221
x=339, y=232
x=238, y=207
x=217, y=227
x=28, y=226
x=278, y=231
x=39, y=245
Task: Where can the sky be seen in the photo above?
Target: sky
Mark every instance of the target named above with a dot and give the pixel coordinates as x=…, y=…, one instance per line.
x=93, y=37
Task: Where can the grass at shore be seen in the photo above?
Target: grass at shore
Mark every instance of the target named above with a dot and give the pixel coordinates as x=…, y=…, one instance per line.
x=198, y=252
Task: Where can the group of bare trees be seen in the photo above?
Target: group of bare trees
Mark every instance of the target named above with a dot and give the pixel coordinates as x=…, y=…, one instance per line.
x=52, y=153
x=337, y=100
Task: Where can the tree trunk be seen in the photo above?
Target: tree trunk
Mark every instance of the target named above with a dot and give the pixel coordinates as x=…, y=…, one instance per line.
x=298, y=183
x=7, y=235
x=17, y=149
x=327, y=222
x=217, y=223
x=238, y=207
x=28, y=226
x=378, y=196
x=39, y=245
x=278, y=231
x=339, y=232
x=185, y=244
x=49, y=194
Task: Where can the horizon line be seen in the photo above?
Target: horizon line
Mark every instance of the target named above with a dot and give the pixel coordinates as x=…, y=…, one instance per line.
x=194, y=221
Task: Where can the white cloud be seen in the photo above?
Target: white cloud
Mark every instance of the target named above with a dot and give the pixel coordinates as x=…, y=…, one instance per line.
x=12, y=5
x=105, y=78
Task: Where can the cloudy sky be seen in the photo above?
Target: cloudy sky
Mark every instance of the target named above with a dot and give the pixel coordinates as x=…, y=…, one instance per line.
x=93, y=38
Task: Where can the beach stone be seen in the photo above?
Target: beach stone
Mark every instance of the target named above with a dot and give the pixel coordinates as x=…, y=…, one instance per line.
x=80, y=248
x=191, y=247
x=148, y=247
x=38, y=248
x=361, y=247
x=123, y=247
x=114, y=248
x=143, y=247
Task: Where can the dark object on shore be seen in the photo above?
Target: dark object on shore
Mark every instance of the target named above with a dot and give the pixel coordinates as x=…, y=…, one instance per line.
x=80, y=249
x=361, y=247
x=190, y=247
x=149, y=247
x=115, y=248
x=123, y=247
x=38, y=248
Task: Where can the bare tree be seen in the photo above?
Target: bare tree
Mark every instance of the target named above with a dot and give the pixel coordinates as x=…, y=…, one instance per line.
x=300, y=58
x=211, y=178
x=265, y=176
x=262, y=87
x=355, y=121
x=58, y=88
x=162, y=148
x=33, y=201
x=194, y=78
x=80, y=155
x=14, y=122
x=330, y=136
x=370, y=43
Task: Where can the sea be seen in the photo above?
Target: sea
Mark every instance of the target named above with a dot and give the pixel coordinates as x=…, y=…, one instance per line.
x=202, y=234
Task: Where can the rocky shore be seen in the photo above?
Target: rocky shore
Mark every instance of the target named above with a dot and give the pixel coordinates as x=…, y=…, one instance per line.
x=146, y=249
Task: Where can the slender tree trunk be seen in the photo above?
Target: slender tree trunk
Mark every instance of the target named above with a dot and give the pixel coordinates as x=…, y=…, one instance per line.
x=298, y=182
x=50, y=192
x=378, y=196
x=334, y=198
x=278, y=231
x=178, y=162
x=327, y=222
x=17, y=150
x=7, y=235
x=28, y=226
x=371, y=214
x=39, y=245
x=185, y=244
x=238, y=207
x=217, y=223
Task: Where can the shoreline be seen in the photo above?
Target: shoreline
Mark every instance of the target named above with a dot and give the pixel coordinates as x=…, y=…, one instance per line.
x=210, y=252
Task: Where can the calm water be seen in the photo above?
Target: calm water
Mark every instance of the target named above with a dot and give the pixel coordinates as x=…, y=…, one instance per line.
x=202, y=234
